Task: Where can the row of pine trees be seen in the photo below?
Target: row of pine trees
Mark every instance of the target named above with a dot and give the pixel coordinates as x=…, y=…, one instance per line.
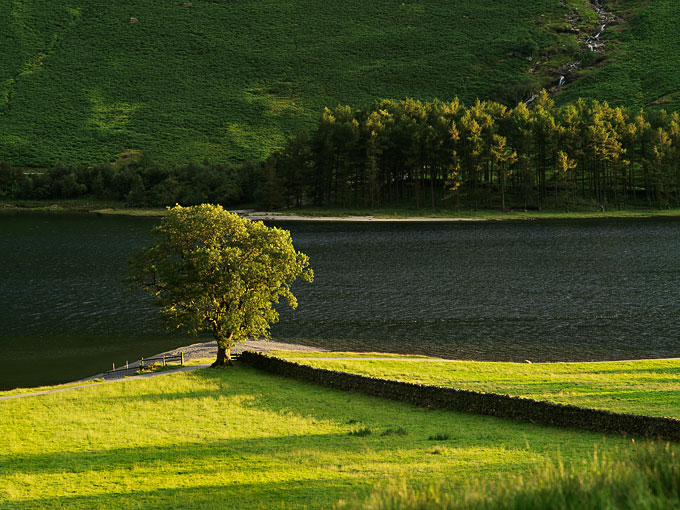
x=445, y=154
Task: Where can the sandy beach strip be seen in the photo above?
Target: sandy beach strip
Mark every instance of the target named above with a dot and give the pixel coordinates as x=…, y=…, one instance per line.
x=263, y=216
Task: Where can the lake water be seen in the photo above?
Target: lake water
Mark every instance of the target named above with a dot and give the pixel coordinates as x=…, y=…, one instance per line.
x=538, y=290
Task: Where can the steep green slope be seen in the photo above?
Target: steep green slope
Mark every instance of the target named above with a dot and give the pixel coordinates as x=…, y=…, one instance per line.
x=80, y=82
x=644, y=59
x=229, y=80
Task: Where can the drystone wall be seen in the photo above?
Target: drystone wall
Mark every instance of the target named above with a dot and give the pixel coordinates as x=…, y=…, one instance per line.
x=491, y=404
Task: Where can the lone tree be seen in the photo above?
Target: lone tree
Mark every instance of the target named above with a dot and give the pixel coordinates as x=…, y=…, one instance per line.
x=211, y=270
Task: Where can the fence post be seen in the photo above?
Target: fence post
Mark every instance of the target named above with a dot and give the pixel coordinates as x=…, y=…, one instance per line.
x=127, y=366
x=114, y=367
x=141, y=363
x=163, y=360
x=182, y=358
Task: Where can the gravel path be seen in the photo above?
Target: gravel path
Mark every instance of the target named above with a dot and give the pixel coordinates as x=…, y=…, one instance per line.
x=203, y=350
x=209, y=349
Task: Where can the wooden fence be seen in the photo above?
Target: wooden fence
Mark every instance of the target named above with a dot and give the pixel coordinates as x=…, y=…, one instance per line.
x=164, y=360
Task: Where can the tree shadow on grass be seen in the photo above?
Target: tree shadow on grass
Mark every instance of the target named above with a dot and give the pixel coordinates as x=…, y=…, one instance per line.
x=281, y=394
x=306, y=459
x=282, y=398
x=180, y=454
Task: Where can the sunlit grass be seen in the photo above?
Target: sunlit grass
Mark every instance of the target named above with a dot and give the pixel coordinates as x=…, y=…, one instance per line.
x=21, y=391
x=639, y=387
x=239, y=438
x=121, y=211
x=646, y=478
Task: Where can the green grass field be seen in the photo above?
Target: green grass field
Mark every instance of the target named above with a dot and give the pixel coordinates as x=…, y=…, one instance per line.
x=638, y=387
x=238, y=438
x=80, y=83
x=646, y=478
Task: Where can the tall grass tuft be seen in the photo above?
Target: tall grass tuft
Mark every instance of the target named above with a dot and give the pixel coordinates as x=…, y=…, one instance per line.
x=362, y=432
x=648, y=478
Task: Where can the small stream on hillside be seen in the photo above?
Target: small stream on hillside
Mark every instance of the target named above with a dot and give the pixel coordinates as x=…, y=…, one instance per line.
x=591, y=41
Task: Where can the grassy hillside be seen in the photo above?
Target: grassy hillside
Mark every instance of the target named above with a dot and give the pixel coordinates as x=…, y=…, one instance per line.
x=230, y=80
x=642, y=69
x=239, y=438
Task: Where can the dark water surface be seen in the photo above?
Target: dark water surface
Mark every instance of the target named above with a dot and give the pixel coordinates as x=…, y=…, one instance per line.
x=543, y=290
x=63, y=312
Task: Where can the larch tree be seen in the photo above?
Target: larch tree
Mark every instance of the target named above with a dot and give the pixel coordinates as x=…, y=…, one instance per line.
x=561, y=172
x=211, y=270
x=504, y=157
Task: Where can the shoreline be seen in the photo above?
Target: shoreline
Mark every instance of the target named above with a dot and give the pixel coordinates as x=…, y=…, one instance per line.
x=480, y=216
x=208, y=350
x=352, y=219
x=348, y=216
x=203, y=350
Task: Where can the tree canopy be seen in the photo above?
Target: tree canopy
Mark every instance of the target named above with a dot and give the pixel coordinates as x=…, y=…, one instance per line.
x=211, y=270
x=485, y=155
x=429, y=154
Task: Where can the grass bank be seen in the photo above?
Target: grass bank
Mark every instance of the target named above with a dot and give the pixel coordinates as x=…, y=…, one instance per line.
x=238, y=438
x=451, y=214
x=104, y=207
x=639, y=387
x=23, y=391
x=78, y=205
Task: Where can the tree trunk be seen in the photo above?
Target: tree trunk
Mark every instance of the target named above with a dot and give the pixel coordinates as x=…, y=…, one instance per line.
x=223, y=358
x=432, y=185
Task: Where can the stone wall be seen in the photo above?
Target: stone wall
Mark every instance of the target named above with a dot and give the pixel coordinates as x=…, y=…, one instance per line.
x=491, y=404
